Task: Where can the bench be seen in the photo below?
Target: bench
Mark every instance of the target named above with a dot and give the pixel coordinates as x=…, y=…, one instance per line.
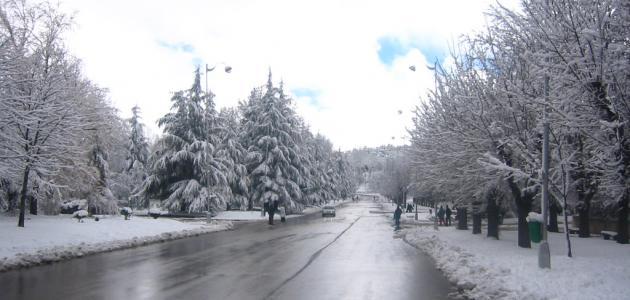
x=573, y=230
x=609, y=234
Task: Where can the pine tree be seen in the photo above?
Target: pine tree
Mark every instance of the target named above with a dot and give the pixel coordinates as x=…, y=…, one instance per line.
x=186, y=172
x=101, y=199
x=138, y=154
x=233, y=153
x=273, y=161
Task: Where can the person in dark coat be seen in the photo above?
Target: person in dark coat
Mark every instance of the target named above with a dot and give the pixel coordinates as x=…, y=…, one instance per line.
x=265, y=208
x=440, y=215
x=448, y=216
x=397, y=215
x=273, y=207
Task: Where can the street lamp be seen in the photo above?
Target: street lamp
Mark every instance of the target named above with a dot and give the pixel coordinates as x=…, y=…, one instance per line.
x=227, y=69
x=544, y=256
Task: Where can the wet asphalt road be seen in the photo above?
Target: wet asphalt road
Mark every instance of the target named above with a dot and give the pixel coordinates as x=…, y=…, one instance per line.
x=356, y=255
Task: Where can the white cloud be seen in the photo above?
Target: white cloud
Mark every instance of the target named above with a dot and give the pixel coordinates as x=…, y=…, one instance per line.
x=328, y=46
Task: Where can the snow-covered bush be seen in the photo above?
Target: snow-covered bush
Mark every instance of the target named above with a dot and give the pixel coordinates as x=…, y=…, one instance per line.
x=80, y=214
x=74, y=205
x=127, y=212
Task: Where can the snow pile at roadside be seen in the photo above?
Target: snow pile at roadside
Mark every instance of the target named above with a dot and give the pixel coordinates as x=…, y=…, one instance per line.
x=499, y=269
x=46, y=239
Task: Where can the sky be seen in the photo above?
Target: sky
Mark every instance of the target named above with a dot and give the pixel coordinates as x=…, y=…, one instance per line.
x=344, y=62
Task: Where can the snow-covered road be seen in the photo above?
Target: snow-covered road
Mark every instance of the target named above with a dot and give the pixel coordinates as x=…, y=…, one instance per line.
x=356, y=255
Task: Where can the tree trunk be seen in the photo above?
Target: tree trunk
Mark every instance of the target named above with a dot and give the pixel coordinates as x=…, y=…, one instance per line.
x=523, y=229
x=493, y=218
x=476, y=223
x=523, y=202
x=27, y=170
x=554, y=209
x=584, y=226
x=622, y=221
x=462, y=219
x=33, y=204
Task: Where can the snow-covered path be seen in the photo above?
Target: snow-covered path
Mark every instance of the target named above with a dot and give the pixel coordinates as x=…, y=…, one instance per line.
x=499, y=269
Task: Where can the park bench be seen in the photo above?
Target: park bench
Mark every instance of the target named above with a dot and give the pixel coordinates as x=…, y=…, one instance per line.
x=608, y=234
x=573, y=230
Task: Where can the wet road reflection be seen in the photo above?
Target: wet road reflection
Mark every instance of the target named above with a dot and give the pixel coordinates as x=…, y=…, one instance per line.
x=352, y=256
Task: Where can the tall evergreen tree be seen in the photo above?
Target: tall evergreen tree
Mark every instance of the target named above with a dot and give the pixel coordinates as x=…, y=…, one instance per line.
x=273, y=162
x=186, y=172
x=233, y=153
x=138, y=153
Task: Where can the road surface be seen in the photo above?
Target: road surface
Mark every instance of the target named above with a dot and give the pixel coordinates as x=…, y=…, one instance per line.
x=355, y=255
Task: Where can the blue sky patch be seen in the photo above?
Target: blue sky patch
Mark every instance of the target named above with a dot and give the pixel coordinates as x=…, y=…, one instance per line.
x=311, y=94
x=391, y=47
x=432, y=53
x=197, y=61
x=178, y=47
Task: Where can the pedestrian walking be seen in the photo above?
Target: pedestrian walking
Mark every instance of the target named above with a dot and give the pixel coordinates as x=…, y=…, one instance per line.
x=283, y=214
x=440, y=215
x=448, y=216
x=397, y=214
x=273, y=207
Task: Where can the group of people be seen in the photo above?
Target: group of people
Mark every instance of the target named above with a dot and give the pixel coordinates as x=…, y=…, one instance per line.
x=271, y=209
x=444, y=216
x=398, y=213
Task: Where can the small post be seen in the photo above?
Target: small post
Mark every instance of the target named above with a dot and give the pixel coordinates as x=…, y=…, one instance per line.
x=416, y=211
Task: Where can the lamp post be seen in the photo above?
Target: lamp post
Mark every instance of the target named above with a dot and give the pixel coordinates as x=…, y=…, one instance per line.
x=544, y=257
x=227, y=69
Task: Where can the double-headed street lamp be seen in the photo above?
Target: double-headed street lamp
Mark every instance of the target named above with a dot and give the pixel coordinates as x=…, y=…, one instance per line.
x=227, y=69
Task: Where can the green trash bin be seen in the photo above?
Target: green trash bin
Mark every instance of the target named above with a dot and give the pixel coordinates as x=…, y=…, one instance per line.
x=535, y=231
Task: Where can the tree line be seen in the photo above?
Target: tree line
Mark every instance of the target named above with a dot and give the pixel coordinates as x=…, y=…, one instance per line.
x=61, y=138
x=478, y=135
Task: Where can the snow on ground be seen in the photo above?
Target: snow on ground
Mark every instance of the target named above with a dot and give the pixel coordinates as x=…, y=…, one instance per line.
x=54, y=238
x=498, y=269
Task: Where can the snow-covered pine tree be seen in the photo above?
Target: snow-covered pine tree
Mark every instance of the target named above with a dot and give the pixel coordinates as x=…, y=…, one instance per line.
x=233, y=153
x=319, y=183
x=186, y=173
x=137, y=154
x=273, y=161
x=346, y=186
x=100, y=199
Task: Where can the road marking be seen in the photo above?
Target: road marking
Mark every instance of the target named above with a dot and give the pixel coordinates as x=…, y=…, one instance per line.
x=313, y=257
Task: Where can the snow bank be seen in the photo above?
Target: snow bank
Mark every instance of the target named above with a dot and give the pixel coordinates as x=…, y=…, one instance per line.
x=499, y=269
x=46, y=239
